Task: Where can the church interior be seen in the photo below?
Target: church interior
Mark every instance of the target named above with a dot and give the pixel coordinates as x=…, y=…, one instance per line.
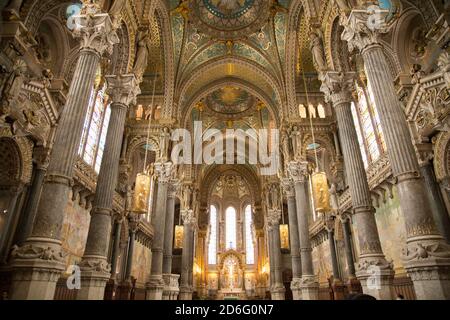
x=354, y=96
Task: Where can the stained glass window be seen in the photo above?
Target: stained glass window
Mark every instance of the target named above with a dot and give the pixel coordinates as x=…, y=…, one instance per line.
x=212, y=246
x=359, y=134
x=95, y=129
x=368, y=127
x=230, y=228
x=249, y=247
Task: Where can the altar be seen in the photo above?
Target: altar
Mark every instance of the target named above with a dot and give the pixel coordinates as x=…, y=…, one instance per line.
x=231, y=276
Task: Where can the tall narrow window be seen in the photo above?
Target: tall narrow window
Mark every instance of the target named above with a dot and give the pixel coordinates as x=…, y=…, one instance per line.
x=95, y=129
x=212, y=246
x=368, y=127
x=230, y=228
x=249, y=247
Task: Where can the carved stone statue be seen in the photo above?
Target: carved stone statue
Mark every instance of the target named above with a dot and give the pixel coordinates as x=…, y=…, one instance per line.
x=142, y=54
x=296, y=141
x=164, y=140
x=11, y=85
x=285, y=145
x=334, y=199
x=318, y=51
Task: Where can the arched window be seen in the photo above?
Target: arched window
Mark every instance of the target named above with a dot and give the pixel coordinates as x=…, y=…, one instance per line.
x=302, y=111
x=367, y=124
x=321, y=111
x=230, y=228
x=249, y=247
x=95, y=129
x=212, y=246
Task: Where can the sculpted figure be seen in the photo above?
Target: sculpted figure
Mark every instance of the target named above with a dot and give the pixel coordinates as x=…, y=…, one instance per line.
x=318, y=52
x=142, y=54
x=164, y=140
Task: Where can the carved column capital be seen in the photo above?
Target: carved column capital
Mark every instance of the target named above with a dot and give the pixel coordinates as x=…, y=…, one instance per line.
x=163, y=171
x=298, y=171
x=363, y=27
x=273, y=218
x=288, y=187
x=174, y=187
x=95, y=30
x=338, y=87
x=122, y=89
x=189, y=218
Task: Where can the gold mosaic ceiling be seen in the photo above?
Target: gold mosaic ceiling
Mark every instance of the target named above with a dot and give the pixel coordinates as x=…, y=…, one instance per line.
x=229, y=19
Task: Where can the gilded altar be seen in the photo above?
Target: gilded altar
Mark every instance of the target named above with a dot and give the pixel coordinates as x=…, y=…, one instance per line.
x=231, y=275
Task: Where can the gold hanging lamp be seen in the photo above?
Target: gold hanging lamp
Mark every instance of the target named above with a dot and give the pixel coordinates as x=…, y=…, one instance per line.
x=179, y=234
x=143, y=180
x=284, y=229
x=319, y=181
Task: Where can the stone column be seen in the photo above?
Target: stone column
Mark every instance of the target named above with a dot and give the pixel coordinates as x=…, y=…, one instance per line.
x=298, y=172
x=116, y=246
x=372, y=263
x=29, y=212
x=170, y=284
x=439, y=210
x=155, y=285
x=426, y=255
x=133, y=226
x=169, y=227
x=95, y=270
x=189, y=222
x=277, y=289
x=38, y=264
x=289, y=190
x=337, y=285
x=10, y=223
x=261, y=261
x=352, y=283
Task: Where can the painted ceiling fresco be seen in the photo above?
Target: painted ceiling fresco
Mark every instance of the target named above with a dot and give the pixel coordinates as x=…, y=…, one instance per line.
x=210, y=37
x=229, y=100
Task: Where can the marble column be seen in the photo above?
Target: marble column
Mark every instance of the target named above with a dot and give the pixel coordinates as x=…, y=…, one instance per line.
x=170, y=285
x=95, y=269
x=261, y=277
x=437, y=203
x=298, y=172
x=29, y=213
x=9, y=227
x=155, y=285
x=277, y=289
x=337, y=284
x=116, y=246
x=131, y=244
x=189, y=222
x=169, y=228
x=426, y=255
x=372, y=263
x=352, y=283
x=289, y=190
x=37, y=265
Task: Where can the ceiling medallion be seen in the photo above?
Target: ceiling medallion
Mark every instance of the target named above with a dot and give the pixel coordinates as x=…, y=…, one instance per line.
x=229, y=19
x=230, y=100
